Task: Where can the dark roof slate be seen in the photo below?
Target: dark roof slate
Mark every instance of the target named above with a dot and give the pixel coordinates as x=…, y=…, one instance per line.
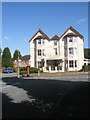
x=55, y=37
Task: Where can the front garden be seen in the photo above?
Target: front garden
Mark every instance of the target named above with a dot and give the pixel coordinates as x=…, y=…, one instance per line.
x=23, y=70
x=34, y=71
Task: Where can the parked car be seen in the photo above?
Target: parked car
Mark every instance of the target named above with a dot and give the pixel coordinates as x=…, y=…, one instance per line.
x=8, y=70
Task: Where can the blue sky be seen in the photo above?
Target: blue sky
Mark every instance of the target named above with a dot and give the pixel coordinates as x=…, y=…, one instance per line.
x=20, y=21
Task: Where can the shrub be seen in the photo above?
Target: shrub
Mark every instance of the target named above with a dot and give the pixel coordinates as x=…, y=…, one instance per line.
x=87, y=68
x=41, y=71
x=15, y=69
x=23, y=68
x=23, y=72
x=34, y=70
x=2, y=69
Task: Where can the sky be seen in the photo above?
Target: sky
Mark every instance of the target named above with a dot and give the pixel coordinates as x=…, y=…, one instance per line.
x=21, y=20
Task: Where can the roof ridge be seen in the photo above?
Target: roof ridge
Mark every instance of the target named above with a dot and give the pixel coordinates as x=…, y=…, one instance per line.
x=71, y=28
x=39, y=30
x=55, y=37
x=58, y=38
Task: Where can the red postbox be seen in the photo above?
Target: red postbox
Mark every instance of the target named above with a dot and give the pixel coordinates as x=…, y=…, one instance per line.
x=27, y=70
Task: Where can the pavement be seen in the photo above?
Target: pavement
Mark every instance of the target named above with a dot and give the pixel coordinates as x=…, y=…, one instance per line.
x=67, y=77
x=39, y=98
x=4, y=75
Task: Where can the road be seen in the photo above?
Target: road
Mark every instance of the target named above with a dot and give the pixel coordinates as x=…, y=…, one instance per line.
x=40, y=98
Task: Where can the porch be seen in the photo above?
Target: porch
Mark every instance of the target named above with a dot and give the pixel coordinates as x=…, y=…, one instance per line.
x=53, y=66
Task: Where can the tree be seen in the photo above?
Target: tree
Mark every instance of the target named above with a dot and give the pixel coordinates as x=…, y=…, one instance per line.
x=6, y=58
x=15, y=55
x=87, y=53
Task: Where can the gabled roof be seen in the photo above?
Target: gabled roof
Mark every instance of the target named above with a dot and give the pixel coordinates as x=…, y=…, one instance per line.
x=55, y=37
x=44, y=35
x=71, y=28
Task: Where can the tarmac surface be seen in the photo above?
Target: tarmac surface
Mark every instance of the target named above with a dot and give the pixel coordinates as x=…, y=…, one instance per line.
x=30, y=98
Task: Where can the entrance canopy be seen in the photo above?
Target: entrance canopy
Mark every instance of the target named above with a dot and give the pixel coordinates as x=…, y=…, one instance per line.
x=56, y=57
x=54, y=62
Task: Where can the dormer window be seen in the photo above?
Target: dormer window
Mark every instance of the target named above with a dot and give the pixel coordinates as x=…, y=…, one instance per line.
x=70, y=40
x=39, y=41
x=55, y=42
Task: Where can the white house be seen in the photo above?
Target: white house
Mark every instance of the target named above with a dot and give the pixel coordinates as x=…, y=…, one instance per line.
x=58, y=54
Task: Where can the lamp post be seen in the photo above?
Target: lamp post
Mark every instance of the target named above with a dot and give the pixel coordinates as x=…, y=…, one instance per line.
x=18, y=65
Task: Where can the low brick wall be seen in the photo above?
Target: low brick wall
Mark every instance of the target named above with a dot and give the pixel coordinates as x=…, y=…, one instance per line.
x=59, y=74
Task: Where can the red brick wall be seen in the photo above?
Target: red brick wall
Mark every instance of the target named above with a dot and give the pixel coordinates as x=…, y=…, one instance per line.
x=23, y=64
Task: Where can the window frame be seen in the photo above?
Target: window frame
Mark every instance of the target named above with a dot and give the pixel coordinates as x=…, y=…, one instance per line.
x=43, y=42
x=39, y=64
x=71, y=38
x=39, y=52
x=55, y=51
x=43, y=52
x=71, y=63
x=75, y=63
x=55, y=42
x=72, y=51
x=39, y=41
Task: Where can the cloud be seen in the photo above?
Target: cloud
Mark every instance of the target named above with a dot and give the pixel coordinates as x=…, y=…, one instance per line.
x=25, y=40
x=81, y=20
x=6, y=37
